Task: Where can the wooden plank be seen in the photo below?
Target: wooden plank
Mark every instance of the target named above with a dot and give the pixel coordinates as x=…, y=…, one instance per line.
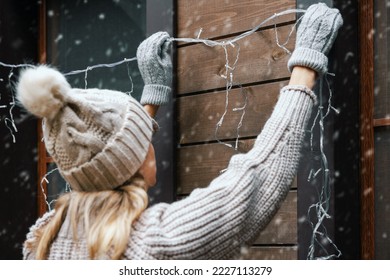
x=382, y=83
x=199, y=114
x=270, y=253
x=381, y=122
x=198, y=165
x=42, y=44
x=282, y=229
x=260, y=59
x=220, y=17
x=367, y=232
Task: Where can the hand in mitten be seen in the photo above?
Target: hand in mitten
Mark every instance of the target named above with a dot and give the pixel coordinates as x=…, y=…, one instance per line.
x=155, y=65
x=315, y=36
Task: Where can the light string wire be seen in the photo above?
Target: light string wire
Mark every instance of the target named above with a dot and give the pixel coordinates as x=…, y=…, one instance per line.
x=212, y=43
x=44, y=179
x=10, y=121
x=229, y=68
x=320, y=235
x=321, y=207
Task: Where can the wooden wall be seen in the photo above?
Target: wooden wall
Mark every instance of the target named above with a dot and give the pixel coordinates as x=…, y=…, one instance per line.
x=261, y=70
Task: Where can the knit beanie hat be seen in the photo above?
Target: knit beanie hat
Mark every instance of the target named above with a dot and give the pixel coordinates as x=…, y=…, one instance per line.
x=98, y=138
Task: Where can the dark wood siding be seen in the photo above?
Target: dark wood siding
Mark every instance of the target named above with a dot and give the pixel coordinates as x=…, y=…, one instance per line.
x=261, y=70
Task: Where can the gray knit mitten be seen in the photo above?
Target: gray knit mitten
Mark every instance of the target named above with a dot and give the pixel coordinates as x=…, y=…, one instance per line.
x=154, y=62
x=315, y=37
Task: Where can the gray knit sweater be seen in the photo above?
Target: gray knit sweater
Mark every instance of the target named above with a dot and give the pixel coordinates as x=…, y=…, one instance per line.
x=214, y=222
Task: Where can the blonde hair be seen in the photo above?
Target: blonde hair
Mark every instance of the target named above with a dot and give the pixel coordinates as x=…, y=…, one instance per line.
x=107, y=217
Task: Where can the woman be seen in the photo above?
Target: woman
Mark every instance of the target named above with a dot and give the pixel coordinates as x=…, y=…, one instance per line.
x=101, y=142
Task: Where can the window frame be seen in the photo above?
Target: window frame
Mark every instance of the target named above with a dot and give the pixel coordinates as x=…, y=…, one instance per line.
x=367, y=124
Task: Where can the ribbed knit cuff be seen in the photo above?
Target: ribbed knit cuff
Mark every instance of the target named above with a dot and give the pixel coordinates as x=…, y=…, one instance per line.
x=309, y=58
x=301, y=88
x=155, y=95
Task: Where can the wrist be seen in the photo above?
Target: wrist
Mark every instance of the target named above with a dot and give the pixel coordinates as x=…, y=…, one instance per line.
x=303, y=76
x=151, y=109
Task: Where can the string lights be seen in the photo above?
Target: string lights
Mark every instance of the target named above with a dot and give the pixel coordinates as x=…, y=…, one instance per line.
x=44, y=179
x=320, y=237
x=320, y=208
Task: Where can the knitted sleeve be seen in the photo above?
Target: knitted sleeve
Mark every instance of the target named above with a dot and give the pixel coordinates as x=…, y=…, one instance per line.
x=31, y=235
x=214, y=222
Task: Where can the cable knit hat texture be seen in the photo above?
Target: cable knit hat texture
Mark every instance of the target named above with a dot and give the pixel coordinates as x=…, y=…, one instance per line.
x=98, y=138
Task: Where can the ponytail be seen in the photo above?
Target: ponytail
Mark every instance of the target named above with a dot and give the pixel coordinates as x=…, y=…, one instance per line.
x=106, y=217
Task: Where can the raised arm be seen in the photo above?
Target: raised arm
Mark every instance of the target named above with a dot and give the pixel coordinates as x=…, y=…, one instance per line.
x=214, y=222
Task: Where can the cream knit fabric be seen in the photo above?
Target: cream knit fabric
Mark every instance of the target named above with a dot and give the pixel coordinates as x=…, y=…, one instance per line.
x=98, y=138
x=214, y=222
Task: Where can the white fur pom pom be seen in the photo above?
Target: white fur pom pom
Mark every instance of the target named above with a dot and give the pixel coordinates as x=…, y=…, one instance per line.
x=42, y=91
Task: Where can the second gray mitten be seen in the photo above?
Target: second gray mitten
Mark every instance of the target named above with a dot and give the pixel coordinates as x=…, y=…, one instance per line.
x=155, y=65
x=315, y=37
